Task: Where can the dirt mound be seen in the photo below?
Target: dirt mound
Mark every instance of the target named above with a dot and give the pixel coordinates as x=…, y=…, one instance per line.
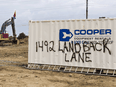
x=21, y=36
x=24, y=40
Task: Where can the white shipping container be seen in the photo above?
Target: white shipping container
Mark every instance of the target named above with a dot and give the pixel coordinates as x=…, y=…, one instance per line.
x=83, y=43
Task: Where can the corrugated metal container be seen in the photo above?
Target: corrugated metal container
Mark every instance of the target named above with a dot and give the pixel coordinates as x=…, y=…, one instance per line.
x=83, y=43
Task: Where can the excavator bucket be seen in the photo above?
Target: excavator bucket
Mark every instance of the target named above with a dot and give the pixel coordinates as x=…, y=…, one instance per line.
x=14, y=41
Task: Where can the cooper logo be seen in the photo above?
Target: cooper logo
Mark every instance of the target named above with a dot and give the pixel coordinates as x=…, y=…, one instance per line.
x=66, y=35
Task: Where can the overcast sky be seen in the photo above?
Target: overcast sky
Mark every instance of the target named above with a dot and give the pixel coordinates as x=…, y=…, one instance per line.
x=52, y=10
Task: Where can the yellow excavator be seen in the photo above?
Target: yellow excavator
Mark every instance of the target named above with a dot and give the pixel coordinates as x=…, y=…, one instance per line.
x=4, y=37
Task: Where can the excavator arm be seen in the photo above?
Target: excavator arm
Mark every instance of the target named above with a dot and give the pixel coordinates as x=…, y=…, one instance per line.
x=4, y=25
x=13, y=29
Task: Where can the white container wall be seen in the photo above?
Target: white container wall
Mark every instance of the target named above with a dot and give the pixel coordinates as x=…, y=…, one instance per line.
x=83, y=43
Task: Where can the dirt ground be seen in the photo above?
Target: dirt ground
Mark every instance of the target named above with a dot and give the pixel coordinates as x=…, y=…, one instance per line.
x=13, y=75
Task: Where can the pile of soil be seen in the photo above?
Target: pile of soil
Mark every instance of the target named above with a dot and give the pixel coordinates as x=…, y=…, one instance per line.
x=24, y=40
x=21, y=36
